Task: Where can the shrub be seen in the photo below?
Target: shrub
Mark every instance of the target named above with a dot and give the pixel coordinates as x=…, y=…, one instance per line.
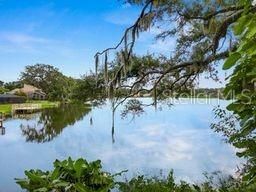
x=81, y=176
x=69, y=175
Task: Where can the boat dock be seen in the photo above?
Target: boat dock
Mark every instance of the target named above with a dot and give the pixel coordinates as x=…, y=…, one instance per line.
x=1, y=120
x=25, y=108
x=2, y=129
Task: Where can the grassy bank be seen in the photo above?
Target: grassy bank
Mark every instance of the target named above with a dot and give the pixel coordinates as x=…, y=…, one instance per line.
x=7, y=108
x=46, y=104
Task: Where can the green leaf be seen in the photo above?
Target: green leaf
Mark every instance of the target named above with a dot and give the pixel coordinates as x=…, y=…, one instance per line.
x=240, y=27
x=251, y=30
x=245, y=46
x=81, y=188
x=43, y=189
x=33, y=176
x=232, y=107
x=197, y=188
x=78, y=166
x=55, y=174
x=231, y=61
x=61, y=184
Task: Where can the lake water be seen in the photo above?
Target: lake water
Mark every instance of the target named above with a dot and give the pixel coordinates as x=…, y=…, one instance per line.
x=177, y=138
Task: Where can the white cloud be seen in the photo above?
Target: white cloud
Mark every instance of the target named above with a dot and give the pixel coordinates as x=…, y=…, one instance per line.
x=126, y=5
x=126, y=15
x=14, y=42
x=119, y=18
x=18, y=38
x=17, y=42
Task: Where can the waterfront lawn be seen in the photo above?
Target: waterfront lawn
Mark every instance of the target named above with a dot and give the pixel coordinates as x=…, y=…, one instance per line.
x=46, y=104
x=7, y=108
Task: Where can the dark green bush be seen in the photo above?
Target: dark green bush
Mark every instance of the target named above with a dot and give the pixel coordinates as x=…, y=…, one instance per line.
x=69, y=175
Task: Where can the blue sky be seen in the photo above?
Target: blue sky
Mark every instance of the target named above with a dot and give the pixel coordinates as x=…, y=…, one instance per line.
x=64, y=33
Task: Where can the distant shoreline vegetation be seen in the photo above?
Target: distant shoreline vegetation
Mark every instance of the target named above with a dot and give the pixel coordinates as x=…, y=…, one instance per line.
x=216, y=93
x=192, y=95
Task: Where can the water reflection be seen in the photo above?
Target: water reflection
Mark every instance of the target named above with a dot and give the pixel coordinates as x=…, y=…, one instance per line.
x=2, y=131
x=178, y=138
x=26, y=116
x=91, y=121
x=51, y=122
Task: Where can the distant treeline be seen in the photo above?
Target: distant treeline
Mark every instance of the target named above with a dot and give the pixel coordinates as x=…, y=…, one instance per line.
x=55, y=84
x=89, y=87
x=206, y=93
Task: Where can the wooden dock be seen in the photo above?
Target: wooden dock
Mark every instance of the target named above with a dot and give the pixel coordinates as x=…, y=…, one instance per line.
x=25, y=107
x=1, y=120
x=2, y=129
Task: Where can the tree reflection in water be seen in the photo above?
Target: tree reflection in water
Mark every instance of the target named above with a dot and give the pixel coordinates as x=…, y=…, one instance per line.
x=51, y=122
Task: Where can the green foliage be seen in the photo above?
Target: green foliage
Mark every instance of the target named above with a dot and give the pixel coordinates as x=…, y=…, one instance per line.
x=89, y=88
x=227, y=123
x=142, y=64
x=133, y=107
x=5, y=109
x=48, y=78
x=214, y=182
x=144, y=184
x=196, y=30
x=3, y=90
x=12, y=85
x=82, y=176
x=69, y=175
x=231, y=61
x=243, y=83
x=46, y=104
x=62, y=88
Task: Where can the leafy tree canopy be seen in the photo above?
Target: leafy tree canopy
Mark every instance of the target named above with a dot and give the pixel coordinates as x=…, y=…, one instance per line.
x=206, y=33
x=204, y=37
x=89, y=88
x=49, y=79
x=243, y=83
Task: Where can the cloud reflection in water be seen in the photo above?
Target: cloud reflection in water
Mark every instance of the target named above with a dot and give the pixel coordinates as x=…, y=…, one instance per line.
x=178, y=138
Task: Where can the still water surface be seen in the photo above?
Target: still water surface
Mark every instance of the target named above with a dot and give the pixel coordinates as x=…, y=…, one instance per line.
x=176, y=138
